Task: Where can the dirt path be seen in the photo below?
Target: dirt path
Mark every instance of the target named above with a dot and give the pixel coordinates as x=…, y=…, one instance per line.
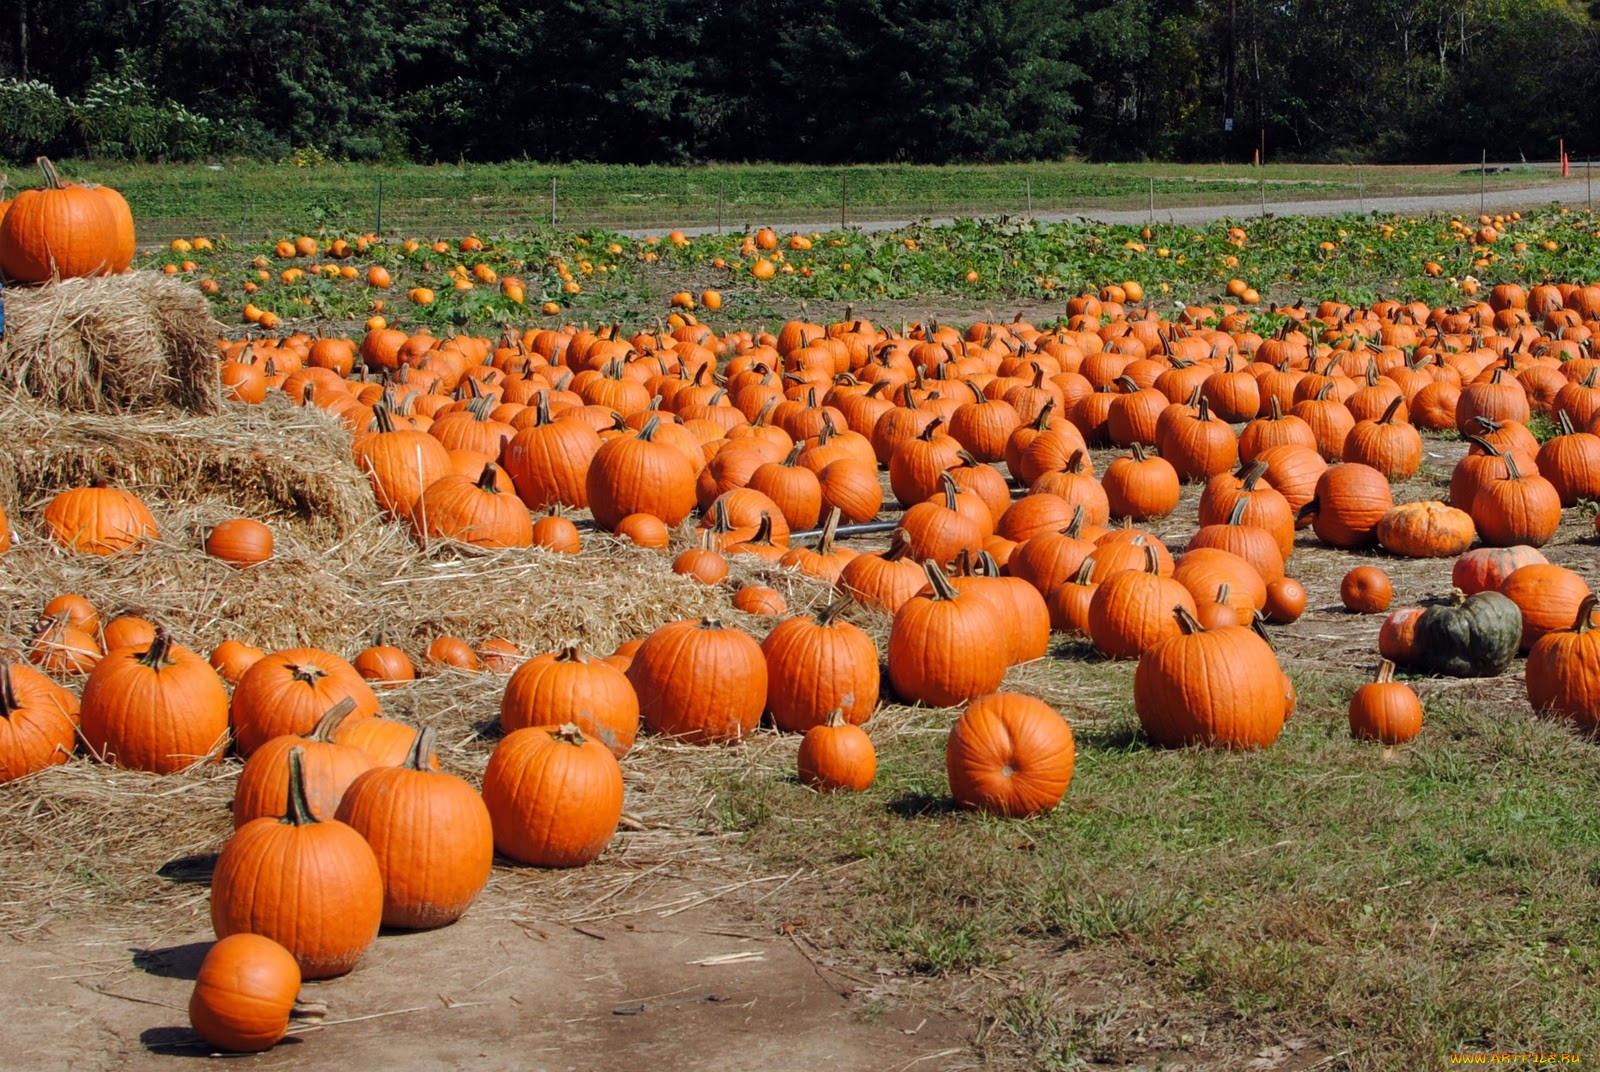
x=702, y=989
x=1575, y=194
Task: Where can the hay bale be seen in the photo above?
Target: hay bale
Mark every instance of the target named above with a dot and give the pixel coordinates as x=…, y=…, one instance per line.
x=271, y=460
x=114, y=344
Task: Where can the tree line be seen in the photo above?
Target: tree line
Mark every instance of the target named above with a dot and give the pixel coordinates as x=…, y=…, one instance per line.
x=829, y=81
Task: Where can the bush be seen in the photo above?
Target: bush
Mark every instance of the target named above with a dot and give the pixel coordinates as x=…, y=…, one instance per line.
x=122, y=117
x=34, y=121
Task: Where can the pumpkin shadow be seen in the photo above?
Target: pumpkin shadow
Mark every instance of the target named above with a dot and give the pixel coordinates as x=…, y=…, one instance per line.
x=173, y=962
x=183, y=1042
x=919, y=805
x=1119, y=738
x=196, y=869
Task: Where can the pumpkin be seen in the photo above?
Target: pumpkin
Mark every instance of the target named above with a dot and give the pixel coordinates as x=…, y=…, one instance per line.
x=1562, y=671
x=548, y=460
x=557, y=534
x=388, y=741
x=1265, y=506
x=1385, y=709
x=62, y=649
x=35, y=732
x=1393, y=448
x=569, y=686
x=244, y=994
x=1366, y=590
x=232, y=658
x=76, y=610
x=1015, y=601
x=1131, y=611
x=699, y=681
x=817, y=667
x=1203, y=569
x=385, y=665
x=947, y=646
x=160, y=709
x=59, y=231
x=478, y=512
x=1351, y=499
x=1213, y=687
x=758, y=599
x=1487, y=568
x=455, y=653
x=1571, y=462
x=554, y=796
x=944, y=526
x=883, y=581
x=1257, y=546
x=1141, y=486
x=702, y=563
x=100, y=521
x=837, y=754
x=288, y=692
x=401, y=463
x=431, y=834
x=644, y=530
x=1009, y=755
x=1293, y=471
x=1547, y=596
x=127, y=631
x=1397, y=638
x=1426, y=530
x=633, y=474
x=1521, y=509
x=1048, y=559
x=240, y=542
x=328, y=769
x=1286, y=600
x=313, y=886
x=1472, y=636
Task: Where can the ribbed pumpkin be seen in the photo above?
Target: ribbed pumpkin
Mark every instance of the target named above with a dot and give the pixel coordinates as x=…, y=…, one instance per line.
x=1548, y=596
x=1132, y=611
x=554, y=796
x=699, y=681
x=401, y=463
x=836, y=754
x=61, y=230
x=311, y=886
x=385, y=665
x=431, y=834
x=1524, y=508
x=947, y=646
x=1140, y=485
x=884, y=581
x=478, y=512
x=759, y=599
x=1351, y=499
x=240, y=542
x=328, y=768
x=159, y=709
x=287, y=692
x=549, y=460
x=1564, y=671
x=1213, y=687
x=128, y=631
x=244, y=994
x=634, y=474
x=100, y=521
x=1257, y=546
x=1015, y=601
x=1009, y=755
x=1472, y=636
x=1265, y=506
x=817, y=666
x=1385, y=710
x=1426, y=530
x=232, y=658
x=1392, y=447
x=35, y=732
x=1487, y=568
x=1571, y=462
x=569, y=686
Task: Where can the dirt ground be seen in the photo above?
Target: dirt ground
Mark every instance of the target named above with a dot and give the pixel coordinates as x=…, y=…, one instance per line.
x=652, y=987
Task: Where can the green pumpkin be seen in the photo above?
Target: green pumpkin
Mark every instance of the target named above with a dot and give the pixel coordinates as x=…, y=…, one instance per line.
x=1475, y=636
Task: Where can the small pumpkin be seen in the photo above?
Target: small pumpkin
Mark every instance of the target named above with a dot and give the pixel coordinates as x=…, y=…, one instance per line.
x=1366, y=590
x=240, y=542
x=100, y=521
x=1385, y=709
x=1487, y=568
x=836, y=754
x=244, y=994
x=160, y=709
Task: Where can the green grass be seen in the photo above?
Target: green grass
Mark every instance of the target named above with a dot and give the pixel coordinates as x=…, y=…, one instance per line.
x=1378, y=903
x=251, y=198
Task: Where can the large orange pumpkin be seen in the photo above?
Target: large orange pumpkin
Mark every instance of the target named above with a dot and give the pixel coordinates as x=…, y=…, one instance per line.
x=1215, y=687
x=554, y=796
x=1009, y=754
x=700, y=681
x=58, y=231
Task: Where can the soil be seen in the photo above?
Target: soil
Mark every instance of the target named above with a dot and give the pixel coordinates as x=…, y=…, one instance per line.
x=705, y=989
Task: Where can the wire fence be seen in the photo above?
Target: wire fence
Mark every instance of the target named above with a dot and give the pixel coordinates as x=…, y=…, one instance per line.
x=868, y=198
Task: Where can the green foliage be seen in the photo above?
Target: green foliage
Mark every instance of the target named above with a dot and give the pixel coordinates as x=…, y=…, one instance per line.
x=33, y=119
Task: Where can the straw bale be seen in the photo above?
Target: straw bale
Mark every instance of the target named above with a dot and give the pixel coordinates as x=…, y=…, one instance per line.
x=113, y=344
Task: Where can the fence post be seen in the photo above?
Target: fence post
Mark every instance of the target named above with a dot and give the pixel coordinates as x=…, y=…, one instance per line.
x=1361, y=193
x=1261, y=185
x=719, y=206
x=552, y=202
x=1027, y=185
x=1588, y=177
x=1152, y=216
x=379, y=228
x=1483, y=178
x=844, y=200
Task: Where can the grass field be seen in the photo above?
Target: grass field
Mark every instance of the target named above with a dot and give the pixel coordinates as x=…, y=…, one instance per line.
x=247, y=198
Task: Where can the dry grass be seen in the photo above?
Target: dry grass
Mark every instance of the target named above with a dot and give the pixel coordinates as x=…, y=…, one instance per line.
x=116, y=344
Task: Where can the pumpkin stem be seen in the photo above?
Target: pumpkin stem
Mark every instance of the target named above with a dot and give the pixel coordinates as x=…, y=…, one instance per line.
x=569, y=733
x=310, y=675
x=828, y=614
x=1075, y=526
x=648, y=433
x=793, y=456
x=155, y=656
x=829, y=528
x=1236, y=515
x=486, y=480
x=1152, y=560
x=927, y=434
x=987, y=565
x=1258, y=626
x=1385, y=671
x=323, y=732
x=942, y=588
x=1252, y=474
x=52, y=180
x=1565, y=421
x=1186, y=621
x=1512, y=473
x=899, y=546
x=1584, y=623
x=572, y=652
x=421, y=749
x=1042, y=422
x=298, y=812
x=1086, y=571
x=948, y=483
x=1224, y=591
x=8, y=692
x=1138, y=453
x=1394, y=407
